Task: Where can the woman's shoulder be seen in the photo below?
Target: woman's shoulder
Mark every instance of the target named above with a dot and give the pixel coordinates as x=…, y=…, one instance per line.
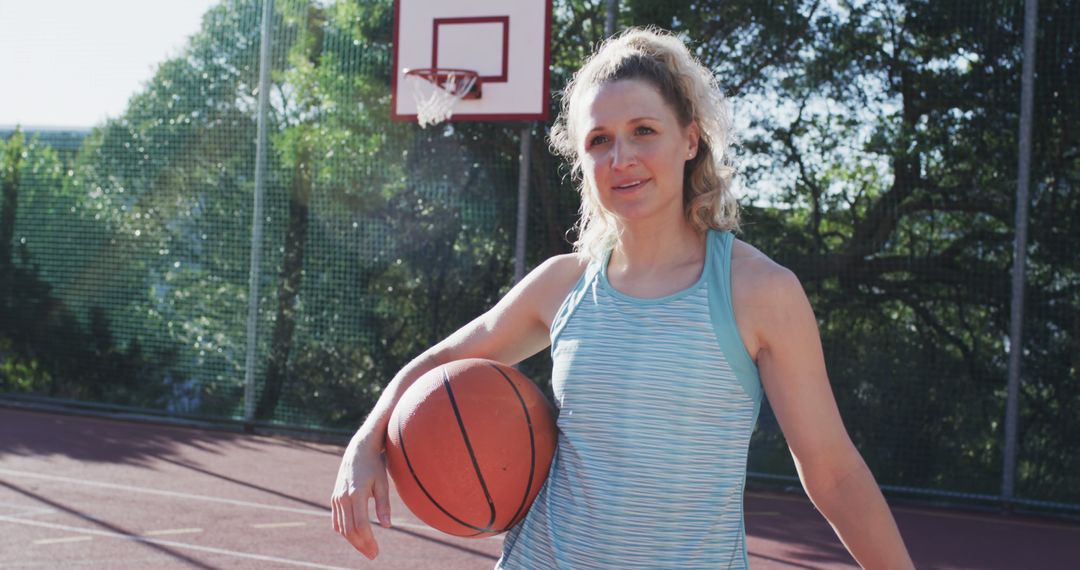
x=758, y=274
x=554, y=279
x=562, y=270
x=565, y=263
x=762, y=290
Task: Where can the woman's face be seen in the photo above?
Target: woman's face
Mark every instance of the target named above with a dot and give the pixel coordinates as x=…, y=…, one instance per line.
x=633, y=150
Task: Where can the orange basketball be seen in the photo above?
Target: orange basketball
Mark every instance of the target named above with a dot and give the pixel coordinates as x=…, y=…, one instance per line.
x=469, y=446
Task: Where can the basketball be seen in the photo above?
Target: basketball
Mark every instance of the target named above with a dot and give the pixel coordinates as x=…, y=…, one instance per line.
x=469, y=446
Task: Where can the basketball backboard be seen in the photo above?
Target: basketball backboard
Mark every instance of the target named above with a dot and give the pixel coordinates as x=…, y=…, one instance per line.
x=507, y=42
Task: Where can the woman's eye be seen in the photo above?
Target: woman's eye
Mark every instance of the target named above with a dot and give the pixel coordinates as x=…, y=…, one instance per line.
x=598, y=139
x=643, y=130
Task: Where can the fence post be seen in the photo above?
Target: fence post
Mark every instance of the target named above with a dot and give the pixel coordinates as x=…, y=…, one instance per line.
x=1016, y=346
x=257, y=215
x=524, y=162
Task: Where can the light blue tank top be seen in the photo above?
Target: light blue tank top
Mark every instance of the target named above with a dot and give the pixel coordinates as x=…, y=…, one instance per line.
x=657, y=399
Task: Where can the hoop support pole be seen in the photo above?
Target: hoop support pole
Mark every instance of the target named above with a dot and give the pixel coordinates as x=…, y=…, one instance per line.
x=523, y=202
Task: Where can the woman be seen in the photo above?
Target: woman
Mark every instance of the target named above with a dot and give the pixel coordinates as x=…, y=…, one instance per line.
x=666, y=332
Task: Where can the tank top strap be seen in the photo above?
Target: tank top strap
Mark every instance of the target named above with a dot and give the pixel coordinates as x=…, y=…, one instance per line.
x=722, y=313
x=585, y=284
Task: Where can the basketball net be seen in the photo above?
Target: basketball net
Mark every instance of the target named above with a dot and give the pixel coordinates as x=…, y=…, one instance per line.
x=437, y=92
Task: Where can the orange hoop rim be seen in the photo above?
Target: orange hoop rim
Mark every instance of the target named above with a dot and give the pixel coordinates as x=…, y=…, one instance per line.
x=440, y=76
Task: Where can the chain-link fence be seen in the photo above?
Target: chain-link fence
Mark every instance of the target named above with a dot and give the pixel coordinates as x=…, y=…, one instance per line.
x=878, y=161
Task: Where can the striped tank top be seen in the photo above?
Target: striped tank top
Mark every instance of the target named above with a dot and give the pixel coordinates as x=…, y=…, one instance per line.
x=657, y=399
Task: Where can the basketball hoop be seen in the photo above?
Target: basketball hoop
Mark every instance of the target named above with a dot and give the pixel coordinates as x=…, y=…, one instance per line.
x=438, y=90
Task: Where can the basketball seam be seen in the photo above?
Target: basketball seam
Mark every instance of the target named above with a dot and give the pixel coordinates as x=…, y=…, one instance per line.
x=532, y=447
x=468, y=446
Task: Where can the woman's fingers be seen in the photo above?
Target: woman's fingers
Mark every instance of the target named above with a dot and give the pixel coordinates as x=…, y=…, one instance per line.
x=381, y=490
x=360, y=535
x=361, y=477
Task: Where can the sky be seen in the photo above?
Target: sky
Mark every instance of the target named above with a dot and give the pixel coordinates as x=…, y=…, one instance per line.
x=73, y=63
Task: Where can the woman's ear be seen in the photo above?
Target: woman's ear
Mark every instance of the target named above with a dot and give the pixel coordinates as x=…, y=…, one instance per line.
x=693, y=134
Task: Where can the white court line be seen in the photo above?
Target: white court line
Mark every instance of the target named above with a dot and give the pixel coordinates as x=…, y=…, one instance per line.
x=172, y=531
x=279, y=525
x=174, y=544
x=130, y=488
x=33, y=512
x=60, y=540
x=13, y=505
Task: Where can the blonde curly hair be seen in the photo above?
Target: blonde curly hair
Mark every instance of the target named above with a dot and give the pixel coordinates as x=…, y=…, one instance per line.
x=663, y=60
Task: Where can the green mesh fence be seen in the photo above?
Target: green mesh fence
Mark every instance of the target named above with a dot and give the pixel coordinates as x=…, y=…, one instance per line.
x=878, y=158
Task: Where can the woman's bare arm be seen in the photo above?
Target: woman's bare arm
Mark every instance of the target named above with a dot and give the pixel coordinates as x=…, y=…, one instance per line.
x=792, y=368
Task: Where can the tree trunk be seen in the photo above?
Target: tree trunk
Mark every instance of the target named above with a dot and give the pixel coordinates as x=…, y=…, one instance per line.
x=296, y=236
x=292, y=276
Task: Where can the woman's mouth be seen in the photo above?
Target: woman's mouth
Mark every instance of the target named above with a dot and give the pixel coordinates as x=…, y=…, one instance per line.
x=629, y=185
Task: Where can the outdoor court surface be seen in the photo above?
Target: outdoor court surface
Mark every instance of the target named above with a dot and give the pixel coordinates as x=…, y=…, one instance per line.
x=85, y=492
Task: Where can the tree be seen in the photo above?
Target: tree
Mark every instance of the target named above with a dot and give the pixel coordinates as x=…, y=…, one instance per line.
x=299, y=142
x=170, y=182
x=45, y=348
x=890, y=144
x=174, y=170
x=9, y=203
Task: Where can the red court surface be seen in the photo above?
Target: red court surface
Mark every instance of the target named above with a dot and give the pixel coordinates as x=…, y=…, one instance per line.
x=86, y=492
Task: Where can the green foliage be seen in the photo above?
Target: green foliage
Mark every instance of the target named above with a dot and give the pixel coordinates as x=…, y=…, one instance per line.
x=20, y=374
x=44, y=348
x=895, y=166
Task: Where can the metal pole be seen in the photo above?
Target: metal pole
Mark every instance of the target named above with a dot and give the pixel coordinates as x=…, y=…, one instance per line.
x=609, y=22
x=523, y=202
x=1016, y=346
x=257, y=215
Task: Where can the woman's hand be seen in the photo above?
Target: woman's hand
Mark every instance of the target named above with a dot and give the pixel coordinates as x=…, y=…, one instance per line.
x=361, y=476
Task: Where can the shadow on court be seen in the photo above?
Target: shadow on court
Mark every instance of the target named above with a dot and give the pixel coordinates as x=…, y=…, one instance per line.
x=85, y=439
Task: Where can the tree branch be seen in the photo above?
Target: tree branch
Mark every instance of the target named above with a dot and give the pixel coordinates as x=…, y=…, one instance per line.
x=983, y=280
x=793, y=35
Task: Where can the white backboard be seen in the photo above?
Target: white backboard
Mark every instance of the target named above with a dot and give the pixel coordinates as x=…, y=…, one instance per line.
x=508, y=42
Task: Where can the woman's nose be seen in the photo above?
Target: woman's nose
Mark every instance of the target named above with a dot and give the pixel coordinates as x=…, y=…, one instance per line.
x=622, y=154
